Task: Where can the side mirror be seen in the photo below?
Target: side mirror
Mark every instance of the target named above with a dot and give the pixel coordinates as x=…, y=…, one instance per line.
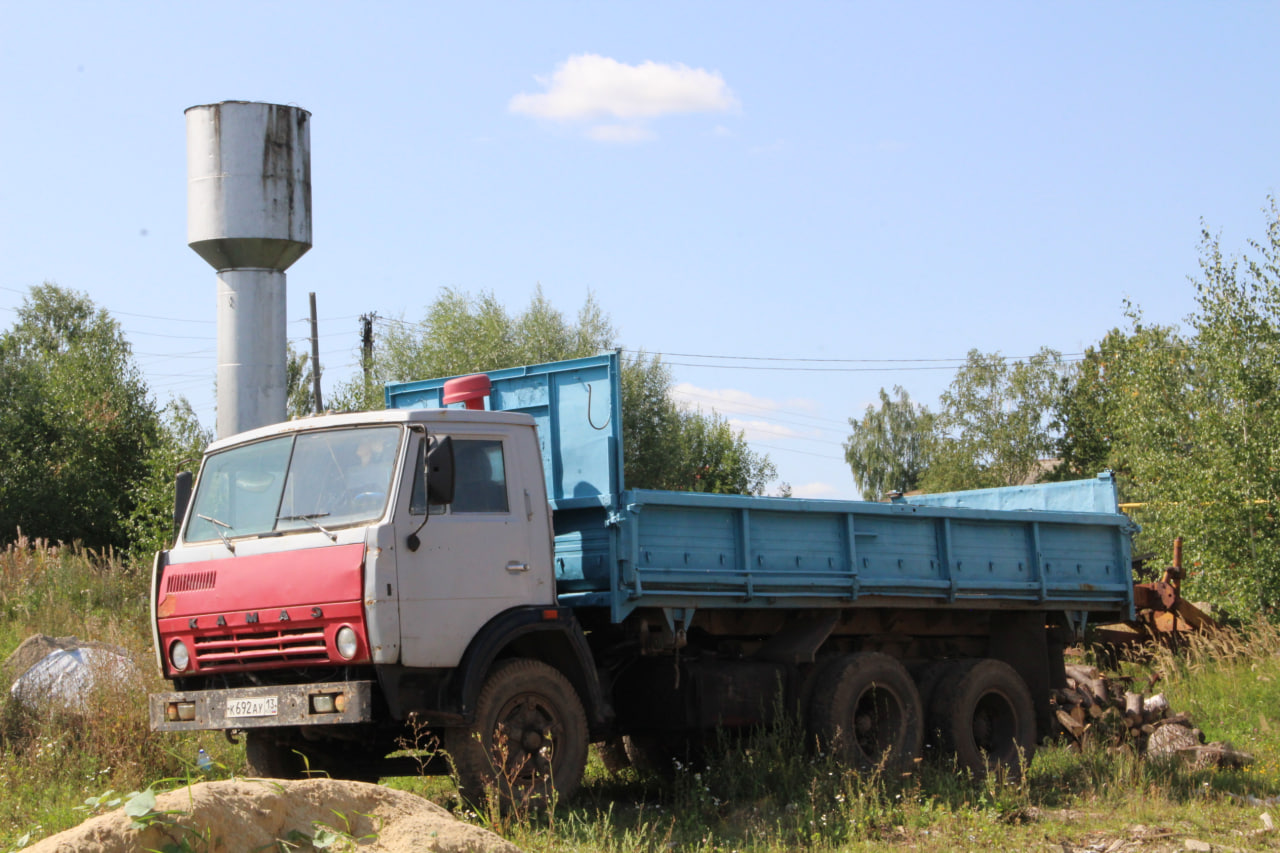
x=439, y=471
x=181, y=497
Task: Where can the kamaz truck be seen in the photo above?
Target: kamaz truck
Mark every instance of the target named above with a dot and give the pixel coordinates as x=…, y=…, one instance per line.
x=466, y=572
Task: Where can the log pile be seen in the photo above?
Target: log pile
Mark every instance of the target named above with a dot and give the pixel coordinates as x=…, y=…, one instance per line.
x=1096, y=709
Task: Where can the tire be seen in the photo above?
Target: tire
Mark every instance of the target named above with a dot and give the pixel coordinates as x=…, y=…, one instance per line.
x=866, y=709
x=528, y=740
x=983, y=713
x=271, y=755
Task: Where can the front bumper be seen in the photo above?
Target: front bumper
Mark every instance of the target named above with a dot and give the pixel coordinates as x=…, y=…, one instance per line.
x=322, y=704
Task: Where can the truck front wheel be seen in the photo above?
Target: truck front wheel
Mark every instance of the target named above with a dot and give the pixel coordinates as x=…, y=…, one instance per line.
x=529, y=738
x=866, y=709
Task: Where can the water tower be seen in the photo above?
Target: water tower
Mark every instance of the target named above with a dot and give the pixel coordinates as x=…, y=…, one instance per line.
x=249, y=217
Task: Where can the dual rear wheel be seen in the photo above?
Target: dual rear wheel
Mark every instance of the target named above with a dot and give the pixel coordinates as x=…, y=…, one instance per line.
x=868, y=709
x=983, y=713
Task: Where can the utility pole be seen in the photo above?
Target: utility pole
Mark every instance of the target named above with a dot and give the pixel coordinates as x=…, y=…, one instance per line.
x=315, y=359
x=366, y=344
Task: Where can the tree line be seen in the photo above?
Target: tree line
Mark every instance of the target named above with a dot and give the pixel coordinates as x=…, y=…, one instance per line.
x=87, y=456
x=1188, y=419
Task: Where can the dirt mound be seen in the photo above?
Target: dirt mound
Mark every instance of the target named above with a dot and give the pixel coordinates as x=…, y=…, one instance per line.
x=257, y=814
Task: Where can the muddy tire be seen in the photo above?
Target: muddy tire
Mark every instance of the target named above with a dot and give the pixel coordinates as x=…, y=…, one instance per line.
x=528, y=743
x=983, y=713
x=865, y=708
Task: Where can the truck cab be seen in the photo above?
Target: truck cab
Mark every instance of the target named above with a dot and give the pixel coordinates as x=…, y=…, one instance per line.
x=332, y=575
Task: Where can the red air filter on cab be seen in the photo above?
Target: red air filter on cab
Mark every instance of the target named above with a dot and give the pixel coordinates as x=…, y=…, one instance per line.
x=470, y=390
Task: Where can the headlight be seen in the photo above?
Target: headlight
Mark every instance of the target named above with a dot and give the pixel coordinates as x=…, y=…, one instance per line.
x=347, y=642
x=178, y=655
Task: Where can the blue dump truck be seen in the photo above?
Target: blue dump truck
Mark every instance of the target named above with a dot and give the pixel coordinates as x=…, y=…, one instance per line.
x=469, y=565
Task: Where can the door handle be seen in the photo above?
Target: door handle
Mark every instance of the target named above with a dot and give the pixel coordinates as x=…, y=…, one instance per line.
x=517, y=566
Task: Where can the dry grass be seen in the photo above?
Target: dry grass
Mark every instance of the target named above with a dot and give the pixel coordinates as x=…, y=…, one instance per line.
x=766, y=792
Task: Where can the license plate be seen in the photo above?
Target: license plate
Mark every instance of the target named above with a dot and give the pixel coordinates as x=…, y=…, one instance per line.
x=259, y=706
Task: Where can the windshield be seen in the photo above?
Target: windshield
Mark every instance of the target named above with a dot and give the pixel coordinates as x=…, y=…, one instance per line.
x=307, y=481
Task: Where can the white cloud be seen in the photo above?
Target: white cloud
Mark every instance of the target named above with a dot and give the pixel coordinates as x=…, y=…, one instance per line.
x=620, y=133
x=814, y=490
x=590, y=86
x=763, y=430
x=731, y=401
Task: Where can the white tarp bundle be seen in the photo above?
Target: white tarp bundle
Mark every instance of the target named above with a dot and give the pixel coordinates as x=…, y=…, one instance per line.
x=68, y=676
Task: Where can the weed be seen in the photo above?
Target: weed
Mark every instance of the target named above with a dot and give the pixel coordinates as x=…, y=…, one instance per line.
x=324, y=836
x=765, y=790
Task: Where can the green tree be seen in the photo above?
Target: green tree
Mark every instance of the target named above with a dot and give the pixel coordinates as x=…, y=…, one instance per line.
x=715, y=458
x=469, y=334
x=298, y=385
x=667, y=447
x=1088, y=414
x=651, y=426
x=888, y=450
x=993, y=428
x=178, y=446
x=76, y=422
x=1200, y=430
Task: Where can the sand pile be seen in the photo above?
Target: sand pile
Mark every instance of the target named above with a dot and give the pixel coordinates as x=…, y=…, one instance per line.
x=257, y=814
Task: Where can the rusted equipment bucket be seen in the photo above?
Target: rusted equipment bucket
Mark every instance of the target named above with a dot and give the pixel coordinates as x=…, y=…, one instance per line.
x=1163, y=615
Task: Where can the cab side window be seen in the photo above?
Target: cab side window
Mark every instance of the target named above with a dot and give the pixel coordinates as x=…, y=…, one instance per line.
x=480, y=483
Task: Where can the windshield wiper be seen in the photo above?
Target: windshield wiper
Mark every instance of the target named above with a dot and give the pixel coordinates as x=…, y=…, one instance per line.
x=225, y=541
x=310, y=518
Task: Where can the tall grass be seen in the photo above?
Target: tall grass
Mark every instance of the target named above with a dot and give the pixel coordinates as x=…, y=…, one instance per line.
x=767, y=790
x=55, y=756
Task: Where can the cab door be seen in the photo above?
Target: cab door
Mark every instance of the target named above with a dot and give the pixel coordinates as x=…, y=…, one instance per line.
x=476, y=556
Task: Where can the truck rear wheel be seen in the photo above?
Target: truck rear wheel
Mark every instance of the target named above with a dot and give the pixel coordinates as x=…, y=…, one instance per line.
x=983, y=713
x=866, y=709
x=529, y=738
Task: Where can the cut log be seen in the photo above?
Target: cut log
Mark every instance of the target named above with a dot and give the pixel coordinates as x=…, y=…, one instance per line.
x=1132, y=706
x=1090, y=682
x=1081, y=672
x=1073, y=728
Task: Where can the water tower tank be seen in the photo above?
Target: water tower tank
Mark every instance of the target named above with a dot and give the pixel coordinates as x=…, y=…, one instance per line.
x=249, y=217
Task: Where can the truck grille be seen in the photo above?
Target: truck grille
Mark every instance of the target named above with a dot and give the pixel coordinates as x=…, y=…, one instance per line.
x=261, y=648
x=190, y=581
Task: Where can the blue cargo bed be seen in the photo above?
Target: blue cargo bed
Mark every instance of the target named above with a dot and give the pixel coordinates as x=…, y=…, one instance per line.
x=1061, y=546
x=685, y=550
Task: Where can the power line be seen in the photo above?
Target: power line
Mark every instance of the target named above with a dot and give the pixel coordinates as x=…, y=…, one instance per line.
x=179, y=337
x=770, y=413
x=801, y=452
x=835, y=360
x=950, y=367
x=765, y=431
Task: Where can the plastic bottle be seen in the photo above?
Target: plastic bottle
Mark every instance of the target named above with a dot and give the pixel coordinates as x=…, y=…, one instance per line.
x=203, y=761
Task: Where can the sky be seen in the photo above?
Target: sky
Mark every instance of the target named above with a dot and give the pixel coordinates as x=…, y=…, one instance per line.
x=796, y=204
